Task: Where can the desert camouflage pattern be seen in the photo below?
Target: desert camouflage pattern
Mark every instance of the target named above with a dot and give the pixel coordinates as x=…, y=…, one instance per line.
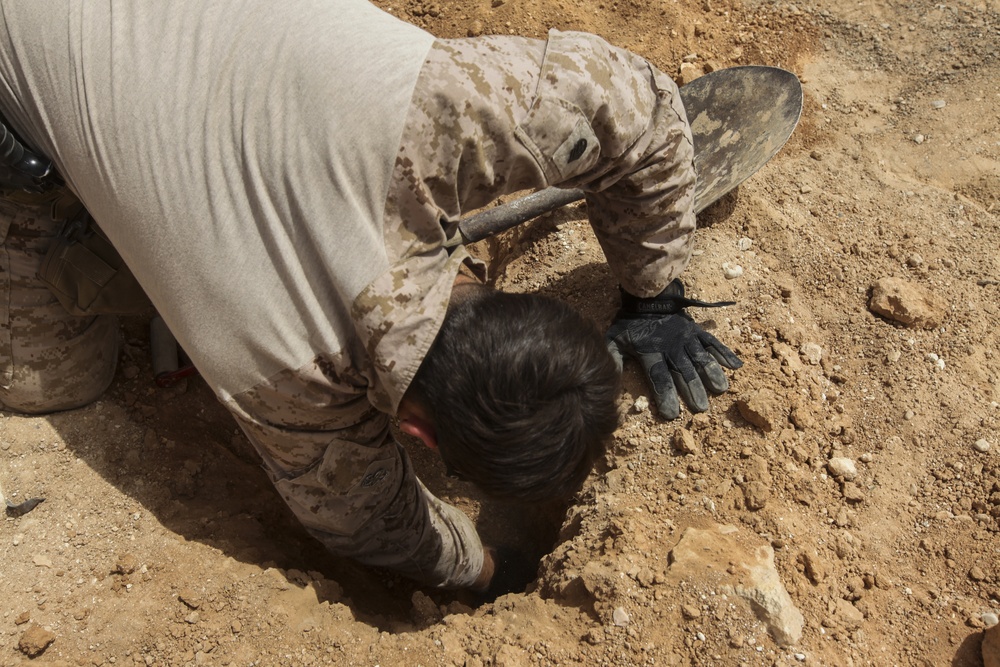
x=332, y=458
x=489, y=116
x=49, y=359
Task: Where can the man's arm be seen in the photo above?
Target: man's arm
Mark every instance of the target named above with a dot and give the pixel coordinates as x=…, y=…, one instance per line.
x=334, y=462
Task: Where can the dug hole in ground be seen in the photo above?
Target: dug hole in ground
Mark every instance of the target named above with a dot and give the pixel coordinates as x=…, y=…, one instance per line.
x=839, y=506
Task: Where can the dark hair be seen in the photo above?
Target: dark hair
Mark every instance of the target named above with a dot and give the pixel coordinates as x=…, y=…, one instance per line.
x=523, y=393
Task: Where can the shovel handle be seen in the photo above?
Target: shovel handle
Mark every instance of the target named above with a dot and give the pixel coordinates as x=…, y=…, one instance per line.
x=500, y=218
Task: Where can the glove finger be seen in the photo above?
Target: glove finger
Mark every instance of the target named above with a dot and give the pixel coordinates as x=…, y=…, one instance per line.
x=685, y=365
x=707, y=366
x=616, y=353
x=718, y=350
x=662, y=382
x=692, y=391
x=714, y=377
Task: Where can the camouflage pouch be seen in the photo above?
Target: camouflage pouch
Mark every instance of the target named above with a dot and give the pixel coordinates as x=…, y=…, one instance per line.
x=84, y=271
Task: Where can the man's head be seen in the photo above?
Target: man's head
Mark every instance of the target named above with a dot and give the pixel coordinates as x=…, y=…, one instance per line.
x=520, y=391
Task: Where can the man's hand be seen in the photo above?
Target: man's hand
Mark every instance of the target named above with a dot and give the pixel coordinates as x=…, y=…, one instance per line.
x=677, y=355
x=505, y=570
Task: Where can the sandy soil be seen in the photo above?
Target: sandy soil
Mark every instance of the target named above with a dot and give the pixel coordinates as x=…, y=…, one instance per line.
x=160, y=541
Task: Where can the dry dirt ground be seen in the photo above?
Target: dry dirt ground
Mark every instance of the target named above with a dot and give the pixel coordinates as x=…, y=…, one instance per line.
x=160, y=541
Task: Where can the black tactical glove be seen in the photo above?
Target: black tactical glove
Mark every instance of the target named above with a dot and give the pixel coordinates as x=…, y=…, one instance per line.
x=678, y=356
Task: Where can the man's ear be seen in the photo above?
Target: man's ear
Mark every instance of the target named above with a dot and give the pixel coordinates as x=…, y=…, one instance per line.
x=420, y=428
x=414, y=420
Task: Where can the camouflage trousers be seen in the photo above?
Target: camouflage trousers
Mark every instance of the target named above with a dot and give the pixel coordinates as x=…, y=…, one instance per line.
x=488, y=116
x=49, y=360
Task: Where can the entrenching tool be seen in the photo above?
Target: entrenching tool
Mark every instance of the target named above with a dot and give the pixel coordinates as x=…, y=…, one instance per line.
x=740, y=118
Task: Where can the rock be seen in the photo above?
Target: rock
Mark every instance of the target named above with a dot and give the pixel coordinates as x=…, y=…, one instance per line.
x=620, y=617
x=41, y=561
x=690, y=612
x=991, y=647
x=715, y=557
x=981, y=445
x=685, y=442
x=907, y=303
x=842, y=467
x=764, y=409
x=35, y=640
x=126, y=564
x=976, y=573
x=812, y=352
x=731, y=271
x=756, y=495
x=815, y=568
x=690, y=72
x=918, y=138
x=190, y=598
x=852, y=493
x=846, y=615
x=640, y=405
x=990, y=619
x=938, y=104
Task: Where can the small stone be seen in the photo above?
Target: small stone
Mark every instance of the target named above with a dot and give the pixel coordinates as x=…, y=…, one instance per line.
x=690, y=612
x=764, y=409
x=801, y=657
x=908, y=303
x=237, y=627
x=812, y=352
x=976, y=573
x=744, y=243
x=843, y=467
x=938, y=104
x=193, y=617
x=990, y=619
x=41, y=561
x=805, y=189
x=732, y=271
x=756, y=495
x=981, y=445
x=190, y=598
x=35, y=640
x=130, y=372
x=620, y=617
x=641, y=405
x=685, y=442
x=475, y=29
x=816, y=155
x=852, y=493
x=690, y=72
x=22, y=618
x=914, y=260
x=126, y=564
x=918, y=138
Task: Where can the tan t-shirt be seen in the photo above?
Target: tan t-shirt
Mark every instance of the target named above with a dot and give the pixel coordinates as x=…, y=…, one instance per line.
x=239, y=164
